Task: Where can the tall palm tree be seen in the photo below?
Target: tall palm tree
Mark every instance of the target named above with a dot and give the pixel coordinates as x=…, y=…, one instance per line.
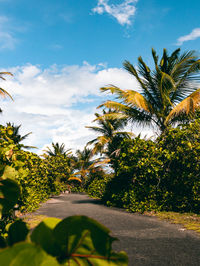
x=168, y=93
x=58, y=150
x=109, y=129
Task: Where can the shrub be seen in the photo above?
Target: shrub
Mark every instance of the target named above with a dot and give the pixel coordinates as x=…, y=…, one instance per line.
x=77, y=240
x=97, y=186
x=160, y=175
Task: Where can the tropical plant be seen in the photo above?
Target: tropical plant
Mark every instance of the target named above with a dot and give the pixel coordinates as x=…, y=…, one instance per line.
x=57, y=149
x=168, y=93
x=157, y=175
x=76, y=240
x=16, y=137
x=109, y=129
x=86, y=164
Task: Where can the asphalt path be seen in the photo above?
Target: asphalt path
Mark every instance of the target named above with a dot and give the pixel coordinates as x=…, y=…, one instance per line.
x=147, y=240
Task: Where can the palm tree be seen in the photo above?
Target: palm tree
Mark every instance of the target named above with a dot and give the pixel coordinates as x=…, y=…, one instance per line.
x=16, y=137
x=109, y=129
x=58, y=150
x=86, y=164
x=168, y=93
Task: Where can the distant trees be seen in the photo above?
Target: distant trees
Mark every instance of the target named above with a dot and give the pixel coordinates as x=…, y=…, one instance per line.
x=108, y=129
x=57, y=149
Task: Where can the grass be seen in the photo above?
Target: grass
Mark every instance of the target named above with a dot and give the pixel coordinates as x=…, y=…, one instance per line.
x=188, y=220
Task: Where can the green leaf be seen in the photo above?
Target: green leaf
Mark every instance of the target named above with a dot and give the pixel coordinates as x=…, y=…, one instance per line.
x=9, y=172
x=17, y=232
x=9, y=194
x=43, y=236
x=23, y=254
x=87, y=242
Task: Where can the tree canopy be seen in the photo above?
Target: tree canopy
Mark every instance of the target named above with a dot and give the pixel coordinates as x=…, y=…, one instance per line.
x=167, y=94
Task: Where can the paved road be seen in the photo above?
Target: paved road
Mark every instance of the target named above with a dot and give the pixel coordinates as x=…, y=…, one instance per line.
x=147, y=240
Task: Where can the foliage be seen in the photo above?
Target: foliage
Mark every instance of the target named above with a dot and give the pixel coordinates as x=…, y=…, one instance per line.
x=161, y=175
x=57, y=150
x=58, y=171
x=87, y=166
x=168, y=92
x=180, y=154
x=108, y=128
x=96, y=187
x=11, y=168
x=76, y=240
x=38, y=178
x=16, y=137
x=134, y=185
x=111, y=136
x=36, y=185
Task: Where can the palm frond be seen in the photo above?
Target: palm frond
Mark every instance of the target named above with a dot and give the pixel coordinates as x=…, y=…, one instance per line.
x=114, y=116
x=135, y=99
x=74, y=178
x=117, y=107
x=4, y=93
x=96, y=129
x=113, y=89
x=188, y=105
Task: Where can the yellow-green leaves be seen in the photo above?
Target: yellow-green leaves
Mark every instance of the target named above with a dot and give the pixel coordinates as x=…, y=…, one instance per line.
x=77, y=240
x=23, y=254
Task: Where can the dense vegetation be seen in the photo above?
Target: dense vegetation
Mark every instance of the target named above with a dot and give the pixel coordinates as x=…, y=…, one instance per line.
x=76, y=240
x=25, y=181
x=160, y=174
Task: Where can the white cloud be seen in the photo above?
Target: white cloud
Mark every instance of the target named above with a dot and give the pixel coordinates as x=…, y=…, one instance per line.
x=57, y=103
x=7, y=40
x=123, y=12
x=192, y=36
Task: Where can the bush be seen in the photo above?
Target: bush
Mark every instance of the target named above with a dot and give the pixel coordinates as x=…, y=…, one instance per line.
x=38, y=178
x=97, y=186
x=160, y=175
x=77, y=240
x=137, y=175
x=180, y=180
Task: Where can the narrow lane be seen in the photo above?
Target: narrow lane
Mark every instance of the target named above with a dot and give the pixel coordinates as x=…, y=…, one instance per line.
x=147, y=240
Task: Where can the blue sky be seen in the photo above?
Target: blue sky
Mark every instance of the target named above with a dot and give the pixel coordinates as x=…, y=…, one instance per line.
x=61, y=52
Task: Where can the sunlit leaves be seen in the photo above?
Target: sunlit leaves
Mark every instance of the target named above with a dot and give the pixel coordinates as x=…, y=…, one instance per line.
x=78, y=240
x=161, y=101
x=26, y=254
